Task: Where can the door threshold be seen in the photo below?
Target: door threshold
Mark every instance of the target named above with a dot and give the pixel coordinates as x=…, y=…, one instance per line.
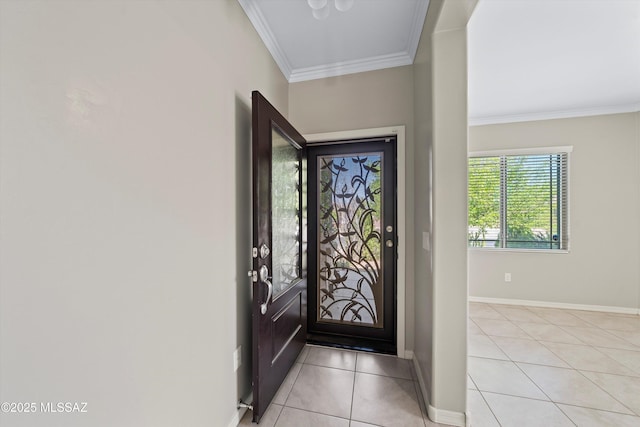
x=352, y=343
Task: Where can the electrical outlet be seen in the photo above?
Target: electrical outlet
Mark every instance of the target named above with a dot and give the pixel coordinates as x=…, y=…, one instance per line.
x=426, y=241
x=507, y=277
x=237, y=358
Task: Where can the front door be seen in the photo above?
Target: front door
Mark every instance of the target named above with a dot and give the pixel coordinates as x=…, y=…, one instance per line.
x=279, y=249
x=352, y=244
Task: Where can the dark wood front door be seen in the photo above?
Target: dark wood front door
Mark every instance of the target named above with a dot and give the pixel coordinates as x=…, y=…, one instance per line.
x=279, y=265
x=352, y=244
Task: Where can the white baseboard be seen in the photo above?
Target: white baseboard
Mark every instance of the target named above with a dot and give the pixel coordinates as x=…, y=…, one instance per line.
x=235, y=420
x=408, y=354
x=436, y=415
x=421, y=384
x=443, y=416
x=547, y=304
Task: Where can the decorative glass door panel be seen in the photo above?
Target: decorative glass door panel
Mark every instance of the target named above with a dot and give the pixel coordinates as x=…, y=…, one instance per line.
x=352, y=241
x=350, y=286
x=285, y=212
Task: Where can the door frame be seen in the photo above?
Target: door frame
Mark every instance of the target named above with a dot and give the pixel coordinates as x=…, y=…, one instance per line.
x=402, y=248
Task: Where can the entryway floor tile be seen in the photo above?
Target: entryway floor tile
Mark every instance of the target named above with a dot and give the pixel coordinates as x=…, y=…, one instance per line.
x=386, y=401
x=522, y=412
x=586, y=364
x=324, y=390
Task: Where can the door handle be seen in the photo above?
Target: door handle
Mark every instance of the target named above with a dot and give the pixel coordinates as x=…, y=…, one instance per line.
x=264, y=277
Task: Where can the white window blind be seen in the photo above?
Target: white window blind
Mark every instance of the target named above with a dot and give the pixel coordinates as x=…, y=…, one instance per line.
x=519, y=201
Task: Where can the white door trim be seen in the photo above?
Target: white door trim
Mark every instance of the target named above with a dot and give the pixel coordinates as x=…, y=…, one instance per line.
x=399, y=131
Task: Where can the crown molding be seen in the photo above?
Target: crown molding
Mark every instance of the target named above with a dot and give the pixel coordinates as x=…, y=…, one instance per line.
x=350, y=67
x=416, y=27
x=294, y=75
x=550, y=115
x=262, y=28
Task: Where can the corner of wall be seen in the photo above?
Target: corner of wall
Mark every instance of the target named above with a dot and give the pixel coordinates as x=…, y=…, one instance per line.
x=423, y=137
x=638, y=189
x=449, y=214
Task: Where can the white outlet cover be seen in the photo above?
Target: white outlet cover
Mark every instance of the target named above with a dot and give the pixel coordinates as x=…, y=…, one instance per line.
x=237, y=358
x=426, y=241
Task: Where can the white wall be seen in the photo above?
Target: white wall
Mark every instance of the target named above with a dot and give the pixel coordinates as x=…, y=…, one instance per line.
x=603, y=265
x=124, y=221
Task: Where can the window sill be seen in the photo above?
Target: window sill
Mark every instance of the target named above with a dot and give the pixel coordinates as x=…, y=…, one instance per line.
x=535, y=251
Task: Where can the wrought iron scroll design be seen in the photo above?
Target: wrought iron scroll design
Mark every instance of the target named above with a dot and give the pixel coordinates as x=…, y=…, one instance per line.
x=349, y=258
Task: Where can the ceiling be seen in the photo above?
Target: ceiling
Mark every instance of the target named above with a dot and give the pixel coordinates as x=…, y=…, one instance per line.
x=528, y=59
x=542, y=59
x=371, y=35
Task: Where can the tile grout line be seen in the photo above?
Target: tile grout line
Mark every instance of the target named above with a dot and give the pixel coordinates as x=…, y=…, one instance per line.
x=353, y=390
x=544, y=321
x=292, y=385
x=600, y=352
x=601, y=388
x=361, y=372
x=637, y=372
x=517, y=326
x=556, y=354
x=278, y=417
x=601, y=330
x=491, y=338
x=637, y=347
x=556, y=404
x=570, y=369
x=489, y=406
x=312, y=412
x=330, y=367
x=599, y=410
x=512, y=395
x=516, y=396
x=564, y=413
x=473, y=381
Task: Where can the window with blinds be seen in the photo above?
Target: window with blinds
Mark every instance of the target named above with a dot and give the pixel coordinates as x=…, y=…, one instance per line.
x=519, y=201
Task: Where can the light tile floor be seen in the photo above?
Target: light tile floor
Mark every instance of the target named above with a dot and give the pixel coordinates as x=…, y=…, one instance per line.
x=533, y=366
x=339, y=388
x=528, y=366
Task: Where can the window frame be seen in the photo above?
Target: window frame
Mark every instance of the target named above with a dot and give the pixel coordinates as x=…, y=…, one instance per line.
x=568, y=149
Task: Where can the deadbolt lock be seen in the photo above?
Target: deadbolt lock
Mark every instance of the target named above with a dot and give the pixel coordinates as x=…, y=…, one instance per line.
x=264, y=251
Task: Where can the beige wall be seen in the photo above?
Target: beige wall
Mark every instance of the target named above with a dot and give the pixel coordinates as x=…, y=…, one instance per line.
x=124, y=186
x=423, y=119
x=362, y=101
x=440, y=79
x=449, y=257
x=602, y=267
